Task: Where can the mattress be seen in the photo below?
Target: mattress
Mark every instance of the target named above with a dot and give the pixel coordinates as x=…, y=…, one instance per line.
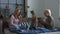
x=37, y=31
x=50, y=33
x=40, y=31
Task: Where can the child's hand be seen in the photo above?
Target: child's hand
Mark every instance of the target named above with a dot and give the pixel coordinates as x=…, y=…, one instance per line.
x=19, y=24
x=42, y=21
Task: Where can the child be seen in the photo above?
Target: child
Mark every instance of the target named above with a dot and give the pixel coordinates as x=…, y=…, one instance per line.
x=49, y=21
x=34, y=21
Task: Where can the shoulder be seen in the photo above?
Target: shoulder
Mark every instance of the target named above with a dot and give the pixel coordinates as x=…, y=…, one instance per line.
x=53, y=21
x=52, y=17
x=12, y=16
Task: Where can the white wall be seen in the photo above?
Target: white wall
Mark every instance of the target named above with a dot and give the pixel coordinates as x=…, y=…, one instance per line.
x=54, y=6
x=59, y=7
x=39, y=5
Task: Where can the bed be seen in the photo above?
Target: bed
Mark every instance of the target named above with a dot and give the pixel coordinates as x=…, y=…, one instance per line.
x=40, y=31
x=47, y=33
x=50, y=33
x=37, y=31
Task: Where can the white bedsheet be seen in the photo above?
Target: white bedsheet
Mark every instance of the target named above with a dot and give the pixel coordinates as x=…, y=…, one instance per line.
x=51, y=33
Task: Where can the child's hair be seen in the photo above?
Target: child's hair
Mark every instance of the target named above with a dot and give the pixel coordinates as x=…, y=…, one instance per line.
x=49, y=11
x=32, y=12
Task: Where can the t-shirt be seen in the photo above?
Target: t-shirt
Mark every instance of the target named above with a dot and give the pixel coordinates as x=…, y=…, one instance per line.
x=14, y=21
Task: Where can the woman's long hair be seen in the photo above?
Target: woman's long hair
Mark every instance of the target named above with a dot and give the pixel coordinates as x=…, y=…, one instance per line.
x=15, y=12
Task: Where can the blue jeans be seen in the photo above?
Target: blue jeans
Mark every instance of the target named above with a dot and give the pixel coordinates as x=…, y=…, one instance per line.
x=14, y=27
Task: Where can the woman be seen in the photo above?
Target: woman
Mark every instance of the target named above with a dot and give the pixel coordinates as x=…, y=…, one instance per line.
x=16, y=18
x=49, y=21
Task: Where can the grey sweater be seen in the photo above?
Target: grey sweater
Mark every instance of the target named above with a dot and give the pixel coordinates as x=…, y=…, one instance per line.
x=50, y=22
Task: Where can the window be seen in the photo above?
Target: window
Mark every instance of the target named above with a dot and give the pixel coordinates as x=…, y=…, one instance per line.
x=12, y=6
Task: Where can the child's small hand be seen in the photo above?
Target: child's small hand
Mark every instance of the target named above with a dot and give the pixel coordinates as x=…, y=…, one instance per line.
x=42, y=21
x=19, y=24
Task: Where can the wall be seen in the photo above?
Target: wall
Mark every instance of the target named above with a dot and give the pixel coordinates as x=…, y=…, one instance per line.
x=54, y=6
x=39, y=5
x=59, y=7
x=11, y=6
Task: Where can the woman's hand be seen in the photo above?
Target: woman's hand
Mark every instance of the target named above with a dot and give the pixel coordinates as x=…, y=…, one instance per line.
x=20, y=17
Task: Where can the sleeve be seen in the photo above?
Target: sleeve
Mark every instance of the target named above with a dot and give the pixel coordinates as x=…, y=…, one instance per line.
x=53, y=23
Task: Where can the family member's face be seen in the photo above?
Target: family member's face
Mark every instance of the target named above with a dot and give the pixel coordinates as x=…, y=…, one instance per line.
x=18, y=12
x=46, y=13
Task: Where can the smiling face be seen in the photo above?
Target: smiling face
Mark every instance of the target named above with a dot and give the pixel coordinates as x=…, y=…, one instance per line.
x=18, y=12
x=46, y=13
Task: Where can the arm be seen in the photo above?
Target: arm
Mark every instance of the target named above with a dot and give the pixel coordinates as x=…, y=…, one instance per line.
x=11, y=20
x=36, y=22
x=20, y=20
x=53, y=23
